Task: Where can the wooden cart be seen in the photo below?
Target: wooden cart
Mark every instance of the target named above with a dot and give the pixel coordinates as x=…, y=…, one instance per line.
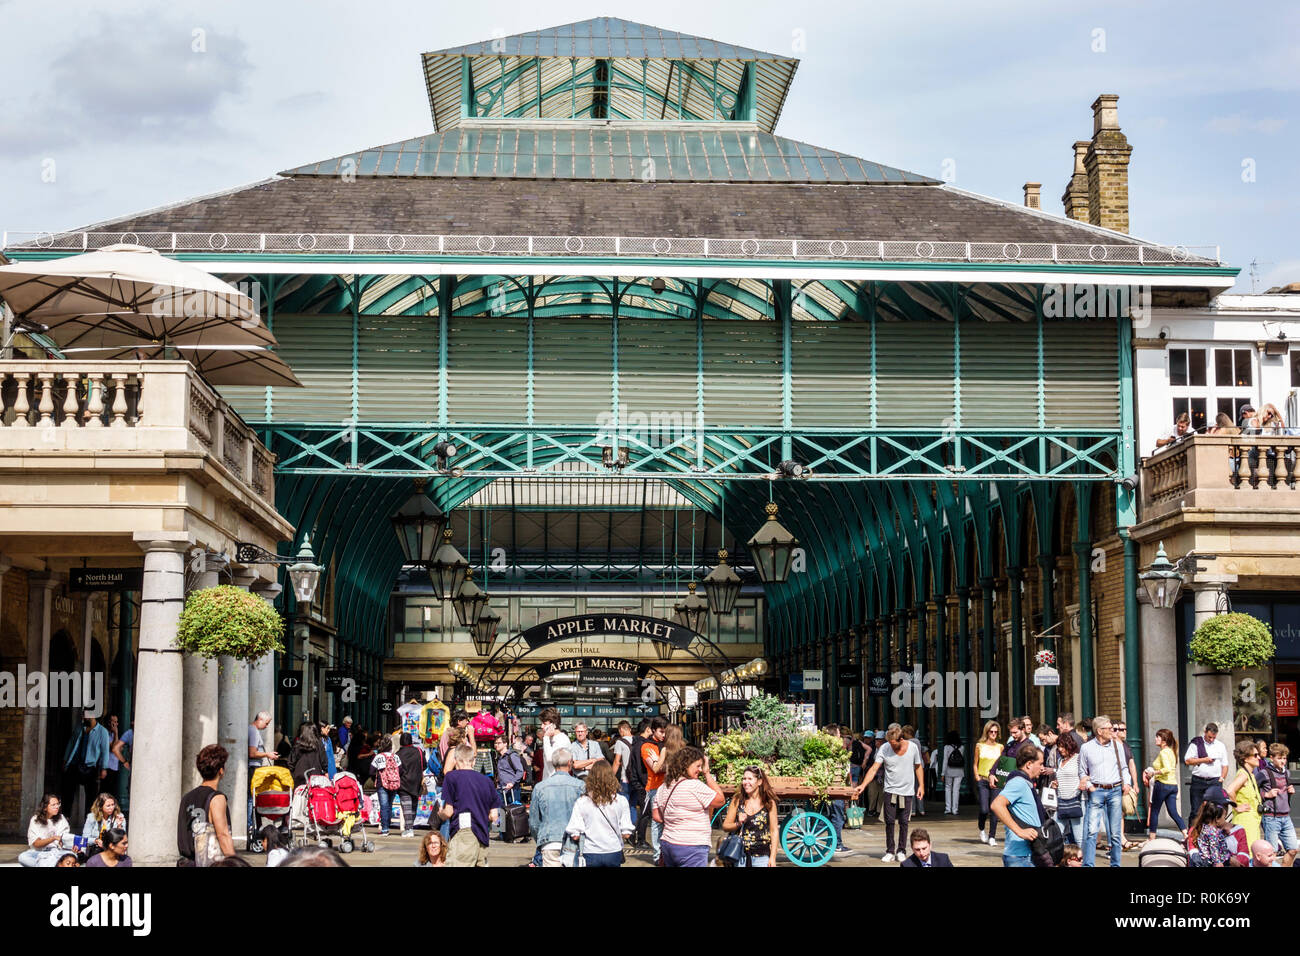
x=807, y=837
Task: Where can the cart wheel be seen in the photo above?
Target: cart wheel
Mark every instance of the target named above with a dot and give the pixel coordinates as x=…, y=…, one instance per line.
x=808, y=839
x=719, y=815
x=346, y=846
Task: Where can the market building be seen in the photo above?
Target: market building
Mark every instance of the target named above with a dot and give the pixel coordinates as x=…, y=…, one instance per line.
x=603, y=322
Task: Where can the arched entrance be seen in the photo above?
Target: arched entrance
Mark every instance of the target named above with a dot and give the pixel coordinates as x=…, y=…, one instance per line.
x=60, y=721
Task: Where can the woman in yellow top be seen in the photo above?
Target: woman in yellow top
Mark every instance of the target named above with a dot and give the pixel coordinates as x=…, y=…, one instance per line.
x=1162, y=778
x=987, y=752
x=1244, y=791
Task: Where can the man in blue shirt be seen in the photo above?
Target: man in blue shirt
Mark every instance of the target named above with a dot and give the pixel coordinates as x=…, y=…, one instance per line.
x=1017, y=806
x=469, y=801
x=85, y=762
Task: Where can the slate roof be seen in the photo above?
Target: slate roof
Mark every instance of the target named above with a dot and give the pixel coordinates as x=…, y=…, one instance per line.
x=473, y=206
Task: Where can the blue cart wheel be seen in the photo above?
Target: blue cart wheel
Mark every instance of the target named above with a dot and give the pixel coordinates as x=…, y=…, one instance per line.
x=808, y=839
x=719, y=815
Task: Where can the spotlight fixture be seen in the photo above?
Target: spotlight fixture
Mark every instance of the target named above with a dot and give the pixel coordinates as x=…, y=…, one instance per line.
x=1129, y=482
x=657, y=285
x=792, y=469
x=614, y=458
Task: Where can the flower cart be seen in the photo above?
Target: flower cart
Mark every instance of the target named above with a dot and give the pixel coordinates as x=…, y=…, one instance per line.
x=806, y=771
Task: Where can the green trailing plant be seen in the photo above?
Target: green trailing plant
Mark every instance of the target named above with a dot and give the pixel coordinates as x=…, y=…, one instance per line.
x=1229, y=641
x=771, y=738
x=228, y=621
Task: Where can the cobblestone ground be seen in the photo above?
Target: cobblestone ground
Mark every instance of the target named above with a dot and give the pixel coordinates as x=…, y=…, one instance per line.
x=955, y=836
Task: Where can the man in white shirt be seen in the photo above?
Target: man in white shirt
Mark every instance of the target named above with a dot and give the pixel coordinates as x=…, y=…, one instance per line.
x=1182, y=429
x=622, y=755
x=552, y=739
x=1104, y=776
x=1208, y=758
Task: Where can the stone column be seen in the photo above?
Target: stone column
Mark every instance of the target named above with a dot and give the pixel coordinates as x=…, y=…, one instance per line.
x=159, y=711
x=1087, y=677
x=40, y=589
x=261, y=674
x=201, y=691
x=232, y=730
x=1015, y=578
x=1159, y=678
x=1213, y=689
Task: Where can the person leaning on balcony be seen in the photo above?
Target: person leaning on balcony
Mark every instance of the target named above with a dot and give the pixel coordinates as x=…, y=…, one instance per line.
x=1223, y=426
x=1182, y=429
x=1271, y=421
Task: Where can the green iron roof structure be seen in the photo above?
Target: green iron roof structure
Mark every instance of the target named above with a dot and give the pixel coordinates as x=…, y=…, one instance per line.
x=514, y=283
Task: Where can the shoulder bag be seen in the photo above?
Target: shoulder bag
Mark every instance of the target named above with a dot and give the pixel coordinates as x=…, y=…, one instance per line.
x=1129, y=800
x=731, y=848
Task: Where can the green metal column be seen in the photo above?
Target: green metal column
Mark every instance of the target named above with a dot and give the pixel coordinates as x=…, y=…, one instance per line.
x=986, y=621
x=1132, y=657
x=1046, y=574
x=1015, y=577
x=963, y=665
x=922, y=715
x=859, y=699
x=1087, y=682
x=941, y=665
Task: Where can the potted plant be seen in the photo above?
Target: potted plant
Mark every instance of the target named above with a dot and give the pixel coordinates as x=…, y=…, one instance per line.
x=1228, y=641
x=771, y=738
x=227, y=621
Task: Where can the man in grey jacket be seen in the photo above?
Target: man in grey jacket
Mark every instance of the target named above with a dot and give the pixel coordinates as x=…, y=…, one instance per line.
x=552, y=805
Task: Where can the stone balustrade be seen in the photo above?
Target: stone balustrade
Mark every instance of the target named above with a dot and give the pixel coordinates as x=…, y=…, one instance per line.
x=1221, y=472
x=127, y=407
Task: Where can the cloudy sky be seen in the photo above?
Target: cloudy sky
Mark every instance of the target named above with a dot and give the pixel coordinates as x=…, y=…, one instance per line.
x=108, y=109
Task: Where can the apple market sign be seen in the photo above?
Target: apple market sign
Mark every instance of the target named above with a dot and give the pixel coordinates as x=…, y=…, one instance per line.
x=593, y=625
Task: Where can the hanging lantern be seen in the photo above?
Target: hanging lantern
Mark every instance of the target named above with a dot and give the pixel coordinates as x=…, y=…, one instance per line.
x=1162, y=581
x=305, y=574
x=447, y=569
x=663, y=650
x=470, y=602
x=772, y=548
x=417, y=524
x=485, y=631
x=690, y=612
x=722, y=586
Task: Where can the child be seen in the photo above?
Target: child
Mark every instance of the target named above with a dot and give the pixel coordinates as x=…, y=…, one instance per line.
x=272, y=839
x=1072, y=856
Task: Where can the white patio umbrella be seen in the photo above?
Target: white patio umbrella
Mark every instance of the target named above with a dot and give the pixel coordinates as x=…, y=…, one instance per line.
x=218, y=364
x=125, y=295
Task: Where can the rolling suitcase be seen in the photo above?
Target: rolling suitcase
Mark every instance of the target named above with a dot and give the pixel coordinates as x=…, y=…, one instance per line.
x=515, y=827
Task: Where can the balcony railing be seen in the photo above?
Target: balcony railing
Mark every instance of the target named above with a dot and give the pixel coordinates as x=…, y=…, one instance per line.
x=1221, y=471
x=127, y=407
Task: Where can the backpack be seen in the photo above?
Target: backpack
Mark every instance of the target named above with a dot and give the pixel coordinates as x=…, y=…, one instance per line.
x=636, y=770
x=433, y=765
x=390, y=771
x=955, y=760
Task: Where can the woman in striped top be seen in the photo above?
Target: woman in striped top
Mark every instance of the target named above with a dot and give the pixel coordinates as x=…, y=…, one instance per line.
x=1068, y=797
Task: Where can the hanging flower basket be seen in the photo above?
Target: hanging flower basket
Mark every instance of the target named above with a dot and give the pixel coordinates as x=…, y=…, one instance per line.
x=1228, y=641
x=1045, y=659
x=229, y=621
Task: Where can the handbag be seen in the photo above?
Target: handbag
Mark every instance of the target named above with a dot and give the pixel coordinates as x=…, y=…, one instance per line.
x=1129, y=801
x=1069, y=808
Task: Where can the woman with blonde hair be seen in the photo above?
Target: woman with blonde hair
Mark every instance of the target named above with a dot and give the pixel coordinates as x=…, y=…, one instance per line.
x=987, y=752
x=104, y=815
x=1243, y=791
x=601, y=819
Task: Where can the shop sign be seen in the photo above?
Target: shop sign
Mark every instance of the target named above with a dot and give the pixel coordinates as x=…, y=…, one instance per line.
x=1286, y=699
x=849, y=675
x=813, y=680
x=105, y=579
x=878, y=684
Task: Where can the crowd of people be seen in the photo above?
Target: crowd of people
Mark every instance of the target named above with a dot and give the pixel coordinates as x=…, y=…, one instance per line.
x=586, y=800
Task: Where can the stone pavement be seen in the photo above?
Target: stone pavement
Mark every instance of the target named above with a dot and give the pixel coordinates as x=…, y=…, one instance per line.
x=955, y=836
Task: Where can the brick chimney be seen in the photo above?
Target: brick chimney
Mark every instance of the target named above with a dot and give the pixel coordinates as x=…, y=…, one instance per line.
x=1033, y=195
x=1106, y=162
x=1075, y=198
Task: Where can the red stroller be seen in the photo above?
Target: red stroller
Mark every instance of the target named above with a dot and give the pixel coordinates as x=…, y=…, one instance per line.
x=333, y=808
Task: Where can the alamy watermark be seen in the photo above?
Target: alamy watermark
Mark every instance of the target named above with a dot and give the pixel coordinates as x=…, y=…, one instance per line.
x=957, y=689
x=81, y=690
x=179, y=302
x=1087, y=300
x=653, y=429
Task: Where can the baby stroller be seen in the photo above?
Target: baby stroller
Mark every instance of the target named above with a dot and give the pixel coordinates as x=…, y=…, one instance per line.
x=334, y=808
x=272, y=790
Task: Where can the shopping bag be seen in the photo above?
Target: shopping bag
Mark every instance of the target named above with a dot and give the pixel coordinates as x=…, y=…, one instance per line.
x=424, y=812
x=855, y=816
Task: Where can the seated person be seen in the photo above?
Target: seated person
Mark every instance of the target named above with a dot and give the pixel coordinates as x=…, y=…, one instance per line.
x=114, y=843
x=922, y=856
x=45, y=833
x=1262, y=853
